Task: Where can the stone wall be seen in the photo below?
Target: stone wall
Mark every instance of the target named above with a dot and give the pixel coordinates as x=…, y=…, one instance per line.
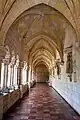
x=8, y=99
x=1, y=107
x=42, y=73
x=70, y=91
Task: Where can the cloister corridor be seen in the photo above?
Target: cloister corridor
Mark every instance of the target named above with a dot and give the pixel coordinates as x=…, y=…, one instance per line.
x=42, y=103
x=40, y=59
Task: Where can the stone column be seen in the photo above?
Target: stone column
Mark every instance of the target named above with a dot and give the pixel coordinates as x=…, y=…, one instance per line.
x=20, y=73
x=2, y=55
x=27, y=73
x=29, y=80
x=6, y=63
x=12, y=63
x=20, y=78
x=9, y=76
x=15, y=76
x=25, y=70
x=12, y=76
x=0, y=74
x=5, y=75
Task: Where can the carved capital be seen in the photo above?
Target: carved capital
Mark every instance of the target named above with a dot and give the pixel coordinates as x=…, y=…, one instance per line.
x=21, y=64
x=68, y=49
x=2, y=52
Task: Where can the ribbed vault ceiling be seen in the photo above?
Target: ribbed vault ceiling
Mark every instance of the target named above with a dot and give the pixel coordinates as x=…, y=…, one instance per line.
x=39, y=27
x=41, y=30
x=69, y=8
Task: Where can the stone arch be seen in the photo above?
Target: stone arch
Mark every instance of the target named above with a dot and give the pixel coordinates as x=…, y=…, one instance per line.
x=29, y=5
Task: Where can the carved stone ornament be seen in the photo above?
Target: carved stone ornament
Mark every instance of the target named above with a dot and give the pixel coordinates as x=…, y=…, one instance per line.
x=13, y=58
x=69, y=63
x=2, y=52
x=68, y=49
x=77, y=45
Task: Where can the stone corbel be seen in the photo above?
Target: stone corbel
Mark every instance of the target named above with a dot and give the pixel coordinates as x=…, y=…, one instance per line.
x=68, y=49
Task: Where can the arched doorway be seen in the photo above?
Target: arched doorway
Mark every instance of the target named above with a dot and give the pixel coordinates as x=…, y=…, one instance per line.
x=42, y=73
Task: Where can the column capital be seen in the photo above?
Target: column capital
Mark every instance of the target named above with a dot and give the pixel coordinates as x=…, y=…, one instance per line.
x=2, y=52
x=13, y=58
x=17, y=61
x=21, y=64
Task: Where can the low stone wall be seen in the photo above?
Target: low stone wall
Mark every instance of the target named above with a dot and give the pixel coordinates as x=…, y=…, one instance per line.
x=8, y=99
x=25, y=88
x=1, y=106
x=70, y=91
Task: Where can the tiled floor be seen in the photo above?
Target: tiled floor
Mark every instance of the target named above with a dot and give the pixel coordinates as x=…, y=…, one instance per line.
x=42, y=103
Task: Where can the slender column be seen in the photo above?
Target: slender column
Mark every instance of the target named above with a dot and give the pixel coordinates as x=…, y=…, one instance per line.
x=15, y=75
x=12, y=75
x=16, y=71
x=27, y=74
x=5, y=78
x=9, y=76
x=2, y=55
x=6, y=75
x=31, y=75
x=2, y=75
x=24, y=73
x=20, y=73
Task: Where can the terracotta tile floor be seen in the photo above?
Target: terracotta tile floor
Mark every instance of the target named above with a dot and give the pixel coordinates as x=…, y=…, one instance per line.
x=42, y=103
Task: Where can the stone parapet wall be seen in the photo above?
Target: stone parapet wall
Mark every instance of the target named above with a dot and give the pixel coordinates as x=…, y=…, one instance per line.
x=25, y=88
x=1, y=107
x=9, y=99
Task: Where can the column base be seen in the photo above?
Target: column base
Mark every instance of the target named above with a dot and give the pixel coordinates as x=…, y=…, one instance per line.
x=5, y=90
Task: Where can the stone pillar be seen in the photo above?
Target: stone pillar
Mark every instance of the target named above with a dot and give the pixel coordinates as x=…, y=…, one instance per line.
x=20, y=78
x=12, y=76
x=5, y=74
x=9, y=76
x=5, y=80
x=26, y=67
x=0, y=73
x=12, y=63
x=27, y=73
x=20, y=73
x=24, y=73
x=16, y=72
x=2, y=55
